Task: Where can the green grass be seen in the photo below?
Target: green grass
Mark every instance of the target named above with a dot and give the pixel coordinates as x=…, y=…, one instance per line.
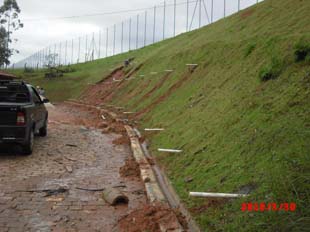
x=235, y=129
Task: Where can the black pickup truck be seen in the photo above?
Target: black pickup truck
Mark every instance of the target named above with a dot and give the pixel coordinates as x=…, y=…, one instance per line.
x=22, y=114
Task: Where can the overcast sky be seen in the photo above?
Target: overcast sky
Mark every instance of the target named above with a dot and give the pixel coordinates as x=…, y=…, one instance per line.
x=47, y=31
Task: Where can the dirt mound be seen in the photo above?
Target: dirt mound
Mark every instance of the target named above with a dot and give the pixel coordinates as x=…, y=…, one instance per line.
x=130, y=169
x=149, y=218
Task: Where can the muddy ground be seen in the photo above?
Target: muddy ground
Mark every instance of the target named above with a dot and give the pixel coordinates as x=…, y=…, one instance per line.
x=75, y=155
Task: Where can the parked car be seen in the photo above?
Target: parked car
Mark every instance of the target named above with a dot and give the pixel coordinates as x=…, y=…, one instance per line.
x=22, y=114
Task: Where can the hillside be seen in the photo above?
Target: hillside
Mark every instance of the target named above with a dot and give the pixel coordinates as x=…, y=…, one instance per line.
x=242, y=117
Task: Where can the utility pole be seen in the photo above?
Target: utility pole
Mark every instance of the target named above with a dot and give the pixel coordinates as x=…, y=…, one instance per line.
x=224, y=8
x=238, y=5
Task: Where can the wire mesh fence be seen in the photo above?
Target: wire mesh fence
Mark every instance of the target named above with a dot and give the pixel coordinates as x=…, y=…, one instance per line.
x=163, y=21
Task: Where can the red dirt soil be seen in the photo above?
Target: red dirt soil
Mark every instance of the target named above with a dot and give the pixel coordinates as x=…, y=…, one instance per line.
x=162, y=98
x=157, y=86
x=121, y=140
x=149, y=218
x=130, y=169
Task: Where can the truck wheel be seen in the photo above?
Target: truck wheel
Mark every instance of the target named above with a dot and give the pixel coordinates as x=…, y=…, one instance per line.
x=43, y=130
x=28, y=147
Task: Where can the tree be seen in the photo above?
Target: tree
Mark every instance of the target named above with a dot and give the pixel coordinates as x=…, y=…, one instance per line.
x=9, y=22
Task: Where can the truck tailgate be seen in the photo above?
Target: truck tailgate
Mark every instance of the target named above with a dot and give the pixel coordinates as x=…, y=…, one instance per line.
x=8, y=115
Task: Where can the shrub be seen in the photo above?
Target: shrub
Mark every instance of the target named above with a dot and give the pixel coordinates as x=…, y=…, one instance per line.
x=302, y=51
x=271, y=71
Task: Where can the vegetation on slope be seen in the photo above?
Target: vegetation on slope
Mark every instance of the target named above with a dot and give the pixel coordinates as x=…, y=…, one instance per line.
x=241, y=117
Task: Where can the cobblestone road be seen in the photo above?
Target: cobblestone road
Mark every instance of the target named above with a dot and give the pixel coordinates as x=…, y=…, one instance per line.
x=70, y=157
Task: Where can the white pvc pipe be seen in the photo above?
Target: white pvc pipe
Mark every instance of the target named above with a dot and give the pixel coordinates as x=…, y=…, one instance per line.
x=169, y=150
x=224, y=195
x=154, y=129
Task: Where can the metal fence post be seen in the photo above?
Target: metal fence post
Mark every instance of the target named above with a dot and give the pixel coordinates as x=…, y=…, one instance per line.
x=99, y=45
x=72, y=52
x=129, y=34
x=154, y=26
x=199, y=13
x=137, y=34
x=66, y=52
x=122, y=38
x=60, y=54
x=187, y=14
x=145, y=27
x=114, y=39
x=54, y=56
x=79, y=51
x=86, y=53
x=107, y=43
x=174, y=16
x=212, y=2
x=92, y=48
x=164, y=20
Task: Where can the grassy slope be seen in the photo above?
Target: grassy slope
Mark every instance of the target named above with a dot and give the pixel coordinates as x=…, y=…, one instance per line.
x=235, y=130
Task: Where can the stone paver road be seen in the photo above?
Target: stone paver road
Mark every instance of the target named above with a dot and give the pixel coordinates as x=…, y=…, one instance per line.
x=69, y=158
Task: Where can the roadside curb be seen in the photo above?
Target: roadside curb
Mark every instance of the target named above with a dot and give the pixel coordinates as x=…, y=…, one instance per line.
x=152, y=186
x=153, y=190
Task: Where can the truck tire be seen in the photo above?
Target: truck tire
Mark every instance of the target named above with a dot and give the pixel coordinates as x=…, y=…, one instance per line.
x=43, y=130
x=28, y=147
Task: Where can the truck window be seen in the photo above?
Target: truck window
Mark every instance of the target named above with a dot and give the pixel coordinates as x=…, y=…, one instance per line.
x=12, y=92
x=35, y=96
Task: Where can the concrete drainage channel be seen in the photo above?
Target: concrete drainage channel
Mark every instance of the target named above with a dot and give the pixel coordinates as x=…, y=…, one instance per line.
x=157, y=185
